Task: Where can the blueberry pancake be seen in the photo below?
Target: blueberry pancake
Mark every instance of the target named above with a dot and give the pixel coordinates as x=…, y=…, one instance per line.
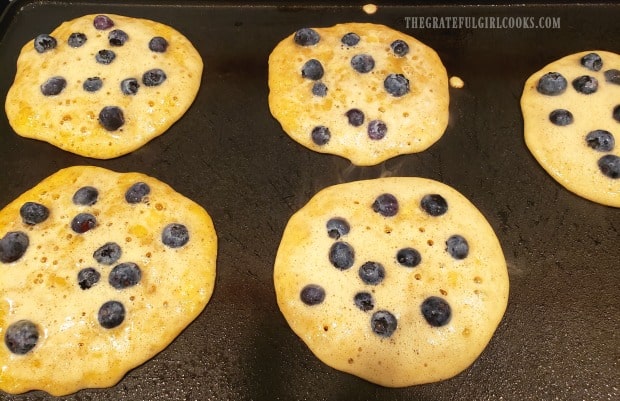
x=99, y=272
x=571, y=116
x=102, y=86
x=399, y=281
x=361, y=91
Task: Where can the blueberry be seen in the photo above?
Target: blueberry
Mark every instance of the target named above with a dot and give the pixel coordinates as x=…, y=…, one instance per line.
x=383, y=323
x=125, y=275
x=350, y=39
x=364, y=301
x=355, y=117
x=321, y=135
x=457, y=247
x=592, y=61
x=13, y=246
x=616, y=113
x=76, y=39
x=312, y=69
x=175, y=235
x=408, y=257
x=129, y=86
x=377, y=129
x=158, y=44
x=610, y=166
x=83, y=222
x=319, y=89
x=33, y=213
x=341, y=255
x=552, y=84
x=362, y=63
x=88, y=277
x=108, y=253
x=137, y=192
x=600, y=140
x=436, y=311
x=44, y=42
x=337, y=227
x=85, y=196
x=105, y=56
x=386, y=205
x=396, y=85
x=92, y=84
x=53, y=86
x=117, y=37
x=585, y=84
x=312, y=294
x=372, y=273
x=21, y=337
x=111, y=314
x=103, y=22
x=612, y=76
x=111, y=118
x=306, y=37
x=561, y=117
x=400, y=47
x=153, y=77
x=434, y=204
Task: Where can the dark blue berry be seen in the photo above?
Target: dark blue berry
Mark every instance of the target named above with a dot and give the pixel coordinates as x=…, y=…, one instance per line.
x=585, y=84
x=33, y=213
x=105, y=56
x=386, y=205
x=341, y=255
x=362, y=63
x=153, y=77
x=434, y=204
x=83, y=222
x=457, y=247
x=383, y=323
x=600, y=140
x=355, y=117
x=321, y=135
x=125, y=275
x=436, y=311
x=103, y=22
x=552, y=84
x=612, y=76
x=21, y=337
x=88, y=277
x=561, y=117
x=44, y=42
x=129, y=86
x=616, y=113
x=312, y=294
x=610, y=166
x=137, y=192
x=117, y=37
x=306, y=37
x=319, y=89
x=350, y=39
x=85, y=196
x=111, y=118
x=396, y=85
x=408, y=257
x=158, y=44
x=364, y=301
x=372, y=273
x=92, y=84
x=400, y=47
x=76, y=39
x=337, y=227
x=53, y=86
x=592, y=61
x=312, y=69
x=13, y=246
x=108, y=253
x=377, y=130
x=175, y=235
x=111, y=314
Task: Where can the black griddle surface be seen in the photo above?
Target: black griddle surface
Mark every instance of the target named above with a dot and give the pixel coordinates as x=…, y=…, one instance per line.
x=559, y=336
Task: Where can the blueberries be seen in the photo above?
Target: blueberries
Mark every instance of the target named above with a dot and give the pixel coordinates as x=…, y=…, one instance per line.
x=76, y=39
x=386, y=205
x=321, y=135
x=312, y=294
x=21, y=337
x=434, y=204
x=13, y=246
x=158, y=44
x=83, y=222
x=108, y=253
x=341, y=255
x=362, y=63
x=585, y=84
x=372, y=273
x=612, y=76
x=125, y=275
x=33, y=213
x=306, y=37
x=88, y=277
x=610, y=166
x=92, y=84
x=137, y=192
x=552, y=84
x=111, y=118
x=436, y=311
x=355, y=117
x=129, y=86
x=105, y=56
x=44, y=42
x=600, y=140
x=154, y=77
x=377, y=129
x=175, y=235
x=383, y=323
x=408, y=257
x=561, y=117
x=396, y=85
x=319, y=89
x=350, y=39
x=457, y=247
x=117, y=37
x=337, y=227
x=364, y=301
x=85, y=196
x=400, y=48
x=616, y=113
x=111, y=314
x=592, y=61
x=312, y=69
x=103, y=22
x=53, y=86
